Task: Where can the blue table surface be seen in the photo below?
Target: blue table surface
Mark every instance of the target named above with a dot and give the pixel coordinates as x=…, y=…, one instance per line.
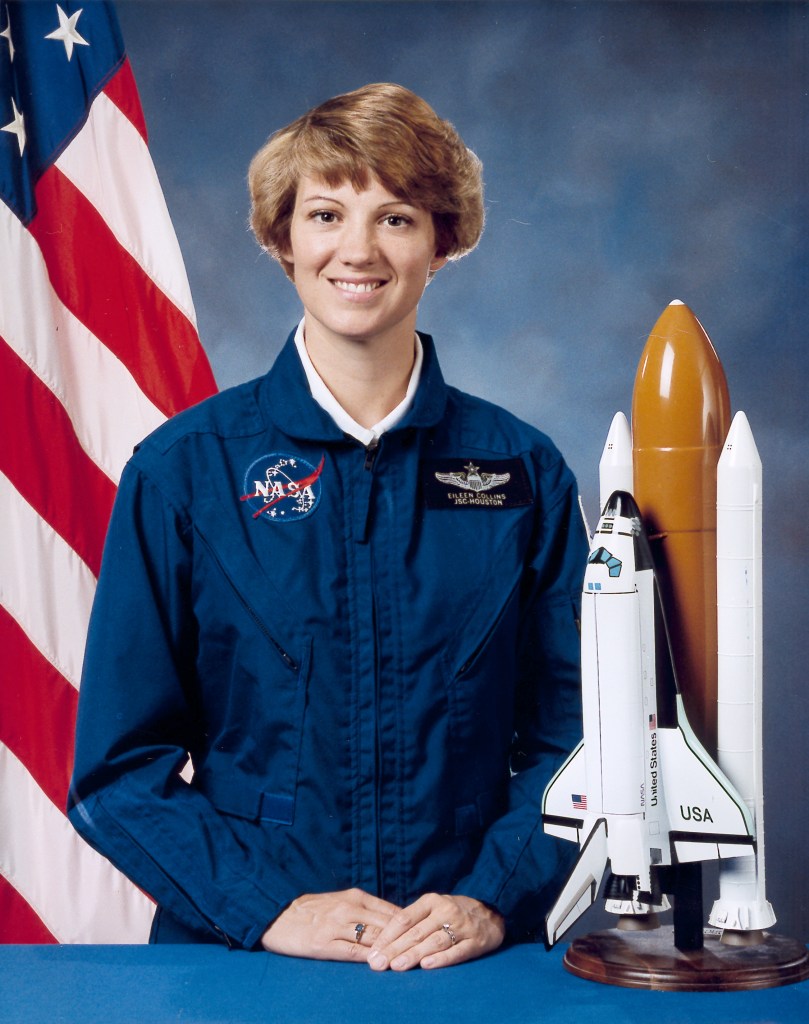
x=211, y=985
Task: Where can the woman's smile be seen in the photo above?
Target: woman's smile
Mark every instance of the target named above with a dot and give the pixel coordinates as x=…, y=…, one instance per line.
x=358, y=287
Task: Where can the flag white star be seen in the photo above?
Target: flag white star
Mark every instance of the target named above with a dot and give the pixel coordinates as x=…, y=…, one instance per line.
x=16, y=127
x=67, y=32
x=6, y=34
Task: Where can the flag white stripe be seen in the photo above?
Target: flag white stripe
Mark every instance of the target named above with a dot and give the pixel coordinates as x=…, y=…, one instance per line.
x=78, y=895
x=107, y=408
x=44, y=584
x=108, y=162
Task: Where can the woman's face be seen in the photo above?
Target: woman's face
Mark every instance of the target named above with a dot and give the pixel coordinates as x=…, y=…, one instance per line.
x=360, y=261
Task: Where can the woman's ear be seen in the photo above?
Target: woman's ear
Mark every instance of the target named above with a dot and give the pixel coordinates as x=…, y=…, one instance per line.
x=285, y=259
x=436, y=263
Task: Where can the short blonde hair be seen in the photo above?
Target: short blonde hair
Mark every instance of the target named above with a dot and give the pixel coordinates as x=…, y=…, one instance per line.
x=387, y=131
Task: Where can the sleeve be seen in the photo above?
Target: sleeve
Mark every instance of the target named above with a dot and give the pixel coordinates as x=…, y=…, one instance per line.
x=519, y=868
x=139, y=716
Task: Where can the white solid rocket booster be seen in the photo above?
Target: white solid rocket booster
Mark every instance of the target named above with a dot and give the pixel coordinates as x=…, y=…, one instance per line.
x=742, y=904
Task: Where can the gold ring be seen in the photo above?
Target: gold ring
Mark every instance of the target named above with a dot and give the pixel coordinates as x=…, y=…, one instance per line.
x=358, y=930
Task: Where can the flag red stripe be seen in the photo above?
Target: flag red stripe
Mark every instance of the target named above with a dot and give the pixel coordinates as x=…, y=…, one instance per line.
x=37, y=712
x=20, y=920
x=40, y=454
x=123, y=92
x=88, y=270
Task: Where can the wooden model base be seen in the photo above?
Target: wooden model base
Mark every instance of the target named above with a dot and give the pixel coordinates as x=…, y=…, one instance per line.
x=649, y=959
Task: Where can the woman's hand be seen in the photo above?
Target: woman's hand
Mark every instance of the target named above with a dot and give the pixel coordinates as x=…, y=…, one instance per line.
x=326, y=926
x=437, y=931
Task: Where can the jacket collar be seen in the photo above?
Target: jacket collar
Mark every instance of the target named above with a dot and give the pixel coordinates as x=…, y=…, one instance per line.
x=286, y=400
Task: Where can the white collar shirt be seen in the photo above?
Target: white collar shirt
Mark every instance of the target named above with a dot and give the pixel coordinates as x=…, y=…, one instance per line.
x=369, y=436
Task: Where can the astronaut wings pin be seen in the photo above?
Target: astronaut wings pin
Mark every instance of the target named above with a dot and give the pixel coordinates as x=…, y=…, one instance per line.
x=473, y=480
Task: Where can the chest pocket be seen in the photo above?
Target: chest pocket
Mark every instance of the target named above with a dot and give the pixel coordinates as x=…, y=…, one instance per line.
x=253, y=667
x=480, y=672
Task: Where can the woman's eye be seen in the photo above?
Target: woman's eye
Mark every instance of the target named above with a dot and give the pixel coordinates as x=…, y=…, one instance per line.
x=324, y=216
x=396, y=220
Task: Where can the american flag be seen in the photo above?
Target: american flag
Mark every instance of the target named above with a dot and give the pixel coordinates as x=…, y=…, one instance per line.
x=98, y=345
x=579, y=801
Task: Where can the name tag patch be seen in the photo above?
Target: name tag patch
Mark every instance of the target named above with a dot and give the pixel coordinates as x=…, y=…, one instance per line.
x=469, y=483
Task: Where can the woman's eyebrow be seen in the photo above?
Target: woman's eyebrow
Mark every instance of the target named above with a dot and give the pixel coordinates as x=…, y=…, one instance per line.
x=321, y=199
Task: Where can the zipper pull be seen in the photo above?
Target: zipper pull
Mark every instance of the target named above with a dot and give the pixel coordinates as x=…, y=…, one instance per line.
x=371, y=451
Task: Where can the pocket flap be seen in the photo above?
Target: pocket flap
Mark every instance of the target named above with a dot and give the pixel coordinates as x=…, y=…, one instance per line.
x=245, y=801
x=478, y=816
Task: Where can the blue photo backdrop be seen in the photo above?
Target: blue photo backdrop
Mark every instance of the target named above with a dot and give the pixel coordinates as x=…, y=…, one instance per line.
x=634, y=153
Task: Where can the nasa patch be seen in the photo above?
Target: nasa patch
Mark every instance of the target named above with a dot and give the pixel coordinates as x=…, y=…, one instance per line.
x=281, y=488
x=470, y=483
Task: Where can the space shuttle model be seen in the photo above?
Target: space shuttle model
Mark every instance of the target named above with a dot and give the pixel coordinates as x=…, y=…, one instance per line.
x=671, y=620
x=640, y=790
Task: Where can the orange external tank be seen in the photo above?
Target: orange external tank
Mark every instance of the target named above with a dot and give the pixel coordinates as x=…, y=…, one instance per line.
x=680, y=418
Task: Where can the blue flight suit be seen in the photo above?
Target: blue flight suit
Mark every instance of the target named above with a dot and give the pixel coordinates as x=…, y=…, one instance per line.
x=371, y=656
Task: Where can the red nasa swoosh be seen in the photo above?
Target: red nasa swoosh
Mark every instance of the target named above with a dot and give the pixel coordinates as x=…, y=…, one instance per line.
x=291, y=488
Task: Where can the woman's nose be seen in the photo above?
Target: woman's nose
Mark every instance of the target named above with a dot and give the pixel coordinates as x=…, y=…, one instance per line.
x=357, y=244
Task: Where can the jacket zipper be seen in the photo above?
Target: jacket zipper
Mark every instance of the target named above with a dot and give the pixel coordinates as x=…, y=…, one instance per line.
x=377, y=761
x=287, y=659
x=371, y=453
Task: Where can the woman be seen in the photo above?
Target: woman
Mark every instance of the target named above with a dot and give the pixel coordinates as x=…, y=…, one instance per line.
x=347, y=591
